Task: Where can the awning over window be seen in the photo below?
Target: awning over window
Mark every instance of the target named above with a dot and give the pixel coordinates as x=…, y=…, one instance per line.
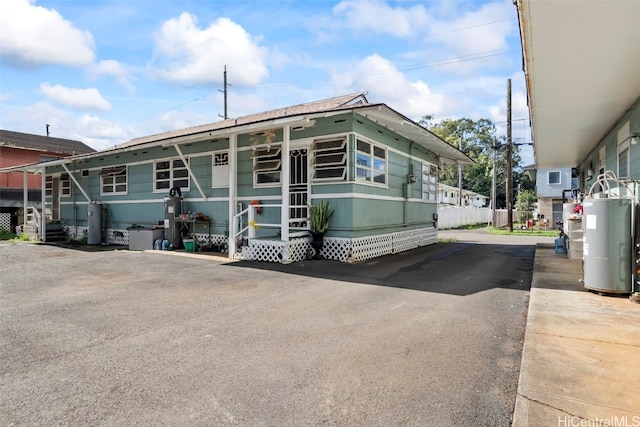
x=113, y=171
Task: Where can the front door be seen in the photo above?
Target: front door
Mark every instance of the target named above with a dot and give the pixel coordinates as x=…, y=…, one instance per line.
x=298, y=191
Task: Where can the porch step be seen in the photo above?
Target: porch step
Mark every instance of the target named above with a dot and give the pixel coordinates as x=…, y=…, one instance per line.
x=55, y=232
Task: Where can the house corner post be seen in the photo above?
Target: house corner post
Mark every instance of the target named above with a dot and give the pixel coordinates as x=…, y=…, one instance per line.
x=43, y=203
x=233, y=189
x=286, y=172
x=25, y=196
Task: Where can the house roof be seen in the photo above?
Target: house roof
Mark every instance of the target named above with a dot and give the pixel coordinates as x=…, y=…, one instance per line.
x=464, y=191
x=28, y=141
x=581, y=67
x=303, y=115
x=330, y=104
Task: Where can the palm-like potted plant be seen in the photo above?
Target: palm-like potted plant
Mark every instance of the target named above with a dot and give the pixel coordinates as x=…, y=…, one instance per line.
x=319, y=215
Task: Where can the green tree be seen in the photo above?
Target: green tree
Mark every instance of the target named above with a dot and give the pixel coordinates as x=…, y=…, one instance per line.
x=477, y=139
x=525, y=203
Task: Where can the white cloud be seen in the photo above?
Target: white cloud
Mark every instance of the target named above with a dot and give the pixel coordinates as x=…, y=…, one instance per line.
x=123, y=73
x=381, y=18
x=33, y=35
x=186, y=53
x=471, y=33
x=93, y=131
x=386, y=83
x=98, y=133
x=89, y=98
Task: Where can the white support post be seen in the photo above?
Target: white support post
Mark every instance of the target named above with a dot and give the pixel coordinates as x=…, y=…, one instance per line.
x=43, y=195
x=191, y=174
x=75, y=181
x=25, y=197
x=233, y=188
x=284, y=180
x=251, y=214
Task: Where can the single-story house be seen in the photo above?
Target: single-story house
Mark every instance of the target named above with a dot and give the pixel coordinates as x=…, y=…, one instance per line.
x=245, y=184
x=448, y=195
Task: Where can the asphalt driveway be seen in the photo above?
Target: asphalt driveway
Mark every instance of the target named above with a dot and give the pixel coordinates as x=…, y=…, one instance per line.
x=429, y=337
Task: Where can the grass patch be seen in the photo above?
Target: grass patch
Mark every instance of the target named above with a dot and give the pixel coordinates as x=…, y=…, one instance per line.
x=11, y=236
x=520, y=232
x=447, y=240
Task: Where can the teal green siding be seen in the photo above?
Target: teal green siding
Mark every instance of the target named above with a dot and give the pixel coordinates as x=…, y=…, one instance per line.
x=361, y=209
x=609, y=141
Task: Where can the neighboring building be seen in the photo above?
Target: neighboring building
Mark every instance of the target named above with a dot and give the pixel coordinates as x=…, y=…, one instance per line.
x=448, y=195
x=582, y=69
x=254, y=176
x=553, y=188
x=17, y=148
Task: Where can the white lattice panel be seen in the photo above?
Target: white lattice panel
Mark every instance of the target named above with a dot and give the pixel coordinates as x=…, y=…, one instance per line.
x=405, y=240
x=117, y=237
x=264, y=250
x=368, y=247
x=336, y=248
x=5, y=221
x=76, y=233
x=297, y=249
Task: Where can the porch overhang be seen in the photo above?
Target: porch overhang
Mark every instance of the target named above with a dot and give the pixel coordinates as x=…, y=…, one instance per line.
x=581, y=66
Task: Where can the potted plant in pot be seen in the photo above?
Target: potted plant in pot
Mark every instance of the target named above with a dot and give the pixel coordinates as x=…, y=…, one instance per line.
x=320, y=215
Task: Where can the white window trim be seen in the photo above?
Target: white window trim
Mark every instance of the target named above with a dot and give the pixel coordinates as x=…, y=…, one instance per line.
x=622, y=147
x=114, y=185
x=172, y=178
x=559, y=178
x=372, y=168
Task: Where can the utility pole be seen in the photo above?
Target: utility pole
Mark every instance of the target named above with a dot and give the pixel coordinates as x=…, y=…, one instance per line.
x=509, y=189
x=47, y=129
x=460, y=173
x=225, y=94
x=493, y=185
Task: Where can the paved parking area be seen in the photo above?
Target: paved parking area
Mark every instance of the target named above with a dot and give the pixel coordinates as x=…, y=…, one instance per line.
x=430, y=337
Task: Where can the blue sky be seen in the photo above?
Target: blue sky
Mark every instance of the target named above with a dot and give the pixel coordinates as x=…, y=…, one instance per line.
x=108, y=71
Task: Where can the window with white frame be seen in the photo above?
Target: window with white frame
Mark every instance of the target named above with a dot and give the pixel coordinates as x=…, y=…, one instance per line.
x=113, y=180
x=168, y=174
x=329, y=159
x=267, y=165
x=48, y=186
x=371, y=162
x=430, y=181
x=553, y=177
x=220, y=169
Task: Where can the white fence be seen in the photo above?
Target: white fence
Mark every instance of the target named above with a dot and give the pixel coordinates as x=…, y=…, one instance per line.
x=453, y=217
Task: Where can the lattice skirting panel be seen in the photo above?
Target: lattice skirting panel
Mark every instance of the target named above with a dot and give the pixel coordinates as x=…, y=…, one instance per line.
x=340, y=249
x=76, y=233
x=5, y=221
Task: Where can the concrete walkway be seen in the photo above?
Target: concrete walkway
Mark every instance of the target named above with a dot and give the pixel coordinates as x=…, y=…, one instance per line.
x=581, y=355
